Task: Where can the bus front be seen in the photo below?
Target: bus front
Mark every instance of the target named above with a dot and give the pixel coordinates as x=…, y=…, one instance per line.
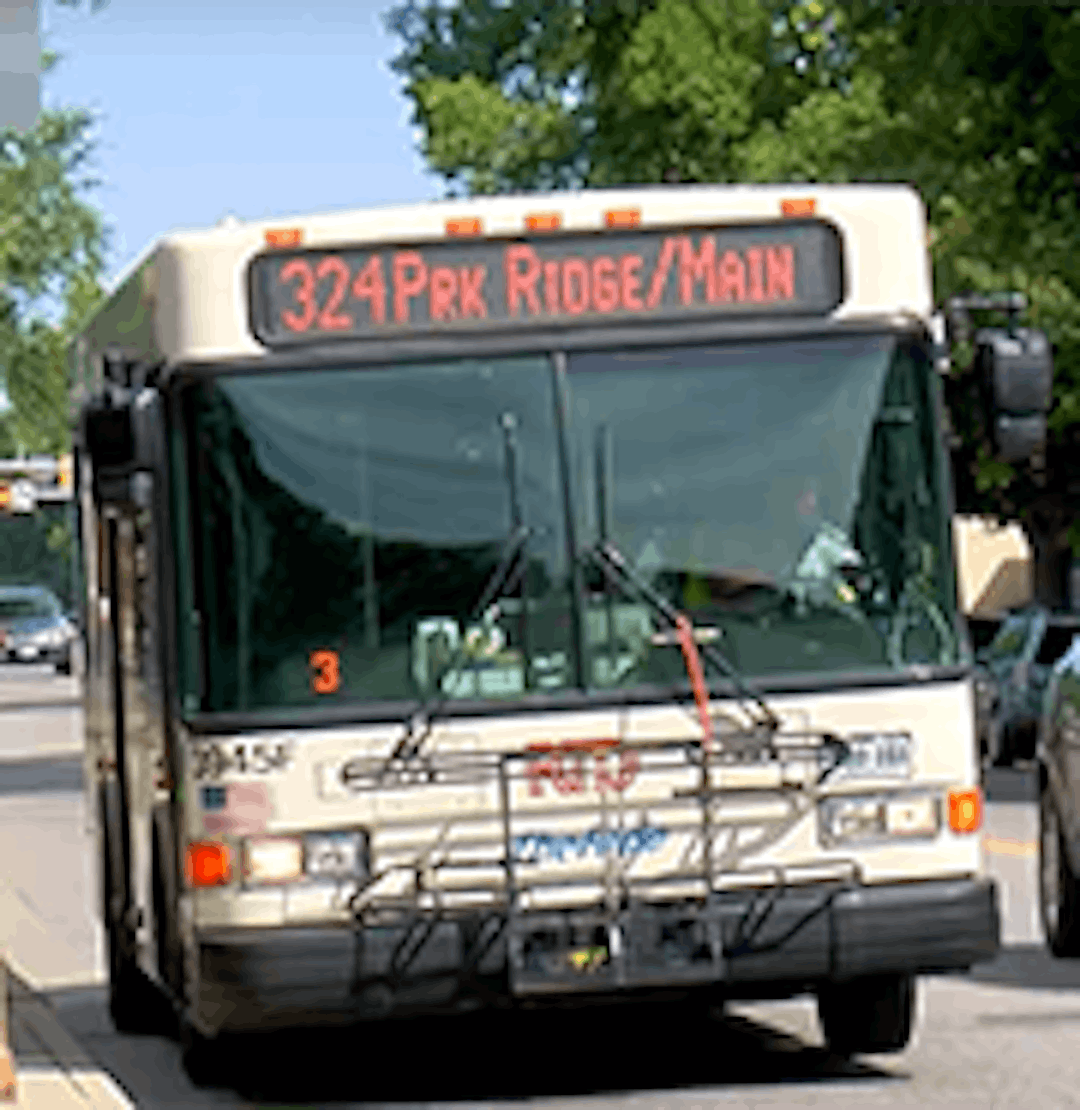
x=572, y=616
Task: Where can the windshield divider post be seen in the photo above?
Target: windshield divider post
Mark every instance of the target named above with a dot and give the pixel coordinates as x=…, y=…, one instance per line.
x=559, y=363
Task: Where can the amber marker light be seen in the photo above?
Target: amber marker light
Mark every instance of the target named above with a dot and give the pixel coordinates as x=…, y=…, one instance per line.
x=469, y=226
x=284, y=237
x=209, y=863
x=543, y=221
x=965, y=810
x=802, y=207
x=622, y=218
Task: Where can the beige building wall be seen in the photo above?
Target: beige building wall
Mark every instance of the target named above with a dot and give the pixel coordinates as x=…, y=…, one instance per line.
x=994, y=565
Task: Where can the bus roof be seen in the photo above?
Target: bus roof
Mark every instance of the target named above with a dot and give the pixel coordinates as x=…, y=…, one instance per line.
x=186, y=298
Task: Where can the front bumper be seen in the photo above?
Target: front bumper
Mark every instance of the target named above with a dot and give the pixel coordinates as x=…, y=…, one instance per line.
x=33, y=653
x=749, y=944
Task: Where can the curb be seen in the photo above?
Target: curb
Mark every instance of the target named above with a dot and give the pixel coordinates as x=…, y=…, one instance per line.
x=60, y=1073
x=8, y=1086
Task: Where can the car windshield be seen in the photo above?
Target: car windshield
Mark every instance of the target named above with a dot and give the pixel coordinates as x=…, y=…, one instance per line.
x=345, y=522
x=28, y=605
x=1010, y=641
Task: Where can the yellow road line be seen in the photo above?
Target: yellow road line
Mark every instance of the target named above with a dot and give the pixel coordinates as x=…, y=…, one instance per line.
x=1002, y=847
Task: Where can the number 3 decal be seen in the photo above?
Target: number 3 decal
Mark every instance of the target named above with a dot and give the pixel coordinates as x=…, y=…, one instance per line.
x=327, y=677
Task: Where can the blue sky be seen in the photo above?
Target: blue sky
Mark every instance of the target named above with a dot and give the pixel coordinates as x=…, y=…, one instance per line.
x=235, y=106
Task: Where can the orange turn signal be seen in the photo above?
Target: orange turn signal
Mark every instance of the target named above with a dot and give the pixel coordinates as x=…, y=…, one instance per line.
x=623, y=218
x=209, y=863
x=965, y=810
x=543, y=221
x=284, y=237
x=802, y=207
x=469, y=226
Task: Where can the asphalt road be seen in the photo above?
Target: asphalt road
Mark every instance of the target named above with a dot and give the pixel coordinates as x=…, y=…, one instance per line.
x=1005, y=1035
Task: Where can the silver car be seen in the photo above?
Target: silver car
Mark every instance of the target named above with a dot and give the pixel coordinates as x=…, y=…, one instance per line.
x=34, y=627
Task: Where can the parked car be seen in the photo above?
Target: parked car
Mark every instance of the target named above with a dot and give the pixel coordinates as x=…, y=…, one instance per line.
x=34, y=627
x=1011, y=680
x=1059, y=805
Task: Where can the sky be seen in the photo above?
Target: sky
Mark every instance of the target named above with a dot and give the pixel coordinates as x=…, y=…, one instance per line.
x=233, y=107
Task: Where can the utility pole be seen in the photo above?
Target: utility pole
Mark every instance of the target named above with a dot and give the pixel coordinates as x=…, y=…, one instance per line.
x=20, y=64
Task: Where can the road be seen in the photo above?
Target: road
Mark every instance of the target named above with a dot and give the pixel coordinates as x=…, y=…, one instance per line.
x=1004, y=1035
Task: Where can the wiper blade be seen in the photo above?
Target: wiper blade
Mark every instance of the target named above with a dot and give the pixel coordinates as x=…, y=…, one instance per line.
x=504, y=578
x=614, y=564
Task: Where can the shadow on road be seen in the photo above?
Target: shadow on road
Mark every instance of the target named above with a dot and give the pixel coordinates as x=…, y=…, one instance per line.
x=28, y=776
x=1031, y=966
x=545, y=1055
x=1009, y=784
x=476, y=1058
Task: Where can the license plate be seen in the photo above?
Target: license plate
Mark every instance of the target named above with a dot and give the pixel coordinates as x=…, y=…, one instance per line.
x=885, y=755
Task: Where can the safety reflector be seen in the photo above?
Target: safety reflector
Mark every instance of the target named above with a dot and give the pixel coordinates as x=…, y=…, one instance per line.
x=965, y=810
x=804, y=206
x=209, y=863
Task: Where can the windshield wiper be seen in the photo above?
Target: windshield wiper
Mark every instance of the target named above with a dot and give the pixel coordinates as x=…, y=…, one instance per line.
x=615, y=566
x=505, y=578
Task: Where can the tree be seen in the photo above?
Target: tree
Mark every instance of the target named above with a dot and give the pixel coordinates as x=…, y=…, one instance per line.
x=974, y=106
x=51, y=245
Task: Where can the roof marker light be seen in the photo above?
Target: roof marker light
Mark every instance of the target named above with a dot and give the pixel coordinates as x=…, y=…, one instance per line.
x=469, y=226
x=284, y=237
x=622, y=218
x=543, y=221
x=804, y=206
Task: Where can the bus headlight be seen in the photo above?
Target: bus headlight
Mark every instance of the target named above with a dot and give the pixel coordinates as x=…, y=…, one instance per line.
x=852, y=819
x=273, y=859
x=335, y=856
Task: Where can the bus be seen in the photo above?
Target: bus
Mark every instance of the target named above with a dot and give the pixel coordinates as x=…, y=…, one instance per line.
x=528, y=601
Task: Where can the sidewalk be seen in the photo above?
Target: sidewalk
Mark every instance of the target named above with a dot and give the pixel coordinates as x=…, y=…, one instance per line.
x=51, y=1071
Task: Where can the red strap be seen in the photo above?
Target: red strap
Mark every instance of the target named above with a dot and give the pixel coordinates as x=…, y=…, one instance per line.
x=685, y=632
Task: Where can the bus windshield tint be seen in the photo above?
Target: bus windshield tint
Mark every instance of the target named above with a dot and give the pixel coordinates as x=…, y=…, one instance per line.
x=787, y=495
x=350, y=521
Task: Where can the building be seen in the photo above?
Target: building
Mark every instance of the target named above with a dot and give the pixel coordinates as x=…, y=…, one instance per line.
x=20, y=63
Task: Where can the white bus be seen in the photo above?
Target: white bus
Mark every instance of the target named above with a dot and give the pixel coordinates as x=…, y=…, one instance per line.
x=520, y=599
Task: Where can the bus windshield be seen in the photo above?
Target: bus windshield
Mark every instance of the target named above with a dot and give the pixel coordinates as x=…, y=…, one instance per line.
x=787, y=495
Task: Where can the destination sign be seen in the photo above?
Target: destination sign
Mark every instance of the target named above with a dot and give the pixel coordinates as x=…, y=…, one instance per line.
x=301, y=297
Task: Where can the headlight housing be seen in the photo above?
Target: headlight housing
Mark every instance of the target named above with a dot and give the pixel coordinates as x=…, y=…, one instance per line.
x=866, y=818
x=314, y=857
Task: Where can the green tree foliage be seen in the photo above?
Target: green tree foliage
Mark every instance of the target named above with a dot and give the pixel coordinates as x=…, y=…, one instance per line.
x=974, y=105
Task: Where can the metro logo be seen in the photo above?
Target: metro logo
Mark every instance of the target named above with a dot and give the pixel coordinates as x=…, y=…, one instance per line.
x=305, y=296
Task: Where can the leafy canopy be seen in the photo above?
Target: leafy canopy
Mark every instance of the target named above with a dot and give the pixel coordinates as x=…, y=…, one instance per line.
x=973, y=105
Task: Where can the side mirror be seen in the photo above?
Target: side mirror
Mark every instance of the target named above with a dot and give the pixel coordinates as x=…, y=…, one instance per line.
x=1019, y=370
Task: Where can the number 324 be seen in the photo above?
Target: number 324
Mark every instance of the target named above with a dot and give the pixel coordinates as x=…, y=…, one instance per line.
x=326, y=671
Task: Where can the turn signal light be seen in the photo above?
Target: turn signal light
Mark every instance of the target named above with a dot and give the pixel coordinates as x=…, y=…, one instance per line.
x=622, y=218
x=469, y=226
x=284, y=237
x=209, y=863
x=543, y=221
x=965, y=810
x=803, y=207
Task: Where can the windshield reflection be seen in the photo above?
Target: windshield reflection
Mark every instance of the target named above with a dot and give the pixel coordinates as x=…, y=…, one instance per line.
x=786, y=495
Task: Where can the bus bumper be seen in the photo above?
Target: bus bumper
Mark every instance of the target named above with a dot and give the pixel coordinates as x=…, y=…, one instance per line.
x=748, y=944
